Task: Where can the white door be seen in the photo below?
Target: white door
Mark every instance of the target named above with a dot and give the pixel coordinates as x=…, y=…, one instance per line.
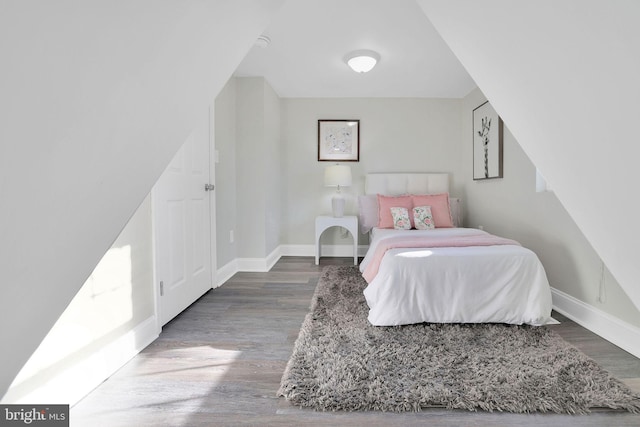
x=182, y=213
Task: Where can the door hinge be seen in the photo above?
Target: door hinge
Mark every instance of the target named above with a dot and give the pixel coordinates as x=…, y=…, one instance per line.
x=209, y=187
x=161, y=288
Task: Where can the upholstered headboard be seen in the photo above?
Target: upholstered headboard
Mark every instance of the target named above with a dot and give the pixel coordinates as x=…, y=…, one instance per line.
x=406, y=183
x=392, y=184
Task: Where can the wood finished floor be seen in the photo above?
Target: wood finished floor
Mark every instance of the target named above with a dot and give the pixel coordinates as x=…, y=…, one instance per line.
x=219, y=363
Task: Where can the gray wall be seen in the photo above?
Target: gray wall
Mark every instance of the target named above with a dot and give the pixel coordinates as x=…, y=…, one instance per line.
x=396, y=135
x=248, y=175
x=250, y=167
x=226, y=185
x=273, y=177
x=511, y=207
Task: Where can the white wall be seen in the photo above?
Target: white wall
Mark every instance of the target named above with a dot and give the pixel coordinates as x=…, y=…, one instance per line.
x=272, y=157
x=93, y=108
x=564, y=76
x=226, y=187
x=396, y=135
x=250, y=167
x=511, y=207
x=117, y=298
x=258, y=172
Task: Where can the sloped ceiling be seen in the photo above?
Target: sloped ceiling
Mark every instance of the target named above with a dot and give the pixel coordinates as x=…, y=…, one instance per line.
x=96, y=99
x=564, y=77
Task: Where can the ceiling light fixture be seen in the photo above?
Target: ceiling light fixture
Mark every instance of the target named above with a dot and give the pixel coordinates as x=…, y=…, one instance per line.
x=362, y=61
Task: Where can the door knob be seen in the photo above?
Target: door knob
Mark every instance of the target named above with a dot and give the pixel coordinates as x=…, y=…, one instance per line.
x=209, y=187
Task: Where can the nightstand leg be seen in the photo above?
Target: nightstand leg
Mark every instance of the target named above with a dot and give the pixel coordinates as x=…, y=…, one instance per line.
x=355, y=246
x=355, y=253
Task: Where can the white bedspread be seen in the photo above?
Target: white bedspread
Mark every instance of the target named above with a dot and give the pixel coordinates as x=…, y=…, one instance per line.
x=487, y=284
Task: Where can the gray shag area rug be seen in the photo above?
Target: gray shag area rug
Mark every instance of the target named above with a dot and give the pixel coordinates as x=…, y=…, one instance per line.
x=341, y=362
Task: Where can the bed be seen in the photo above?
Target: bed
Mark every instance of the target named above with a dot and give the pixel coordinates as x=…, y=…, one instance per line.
x=447, y=274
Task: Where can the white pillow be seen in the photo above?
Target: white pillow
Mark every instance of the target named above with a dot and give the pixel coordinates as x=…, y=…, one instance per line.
x=367, y=212
x=400, y=218
x=422, y=218
x=456, y=211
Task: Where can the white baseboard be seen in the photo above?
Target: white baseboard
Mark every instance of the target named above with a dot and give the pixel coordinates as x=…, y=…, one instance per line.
x=247, y=264
x=265, y=264
x=71, y=384
x=273, y=257
x=325, y=250
x=614, y=330
x=297, y=250
x=259, y=264
x=225, y=273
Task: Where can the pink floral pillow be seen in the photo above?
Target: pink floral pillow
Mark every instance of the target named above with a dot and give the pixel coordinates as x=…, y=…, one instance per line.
x=422, y=218
x=440, y=208
x=385, y=203
x=400, y=218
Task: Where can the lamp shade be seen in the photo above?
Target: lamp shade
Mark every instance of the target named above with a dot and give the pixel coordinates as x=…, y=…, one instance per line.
x=337, y=176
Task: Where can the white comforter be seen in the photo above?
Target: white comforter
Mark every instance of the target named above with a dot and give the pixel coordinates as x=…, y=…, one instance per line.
x=485, y=284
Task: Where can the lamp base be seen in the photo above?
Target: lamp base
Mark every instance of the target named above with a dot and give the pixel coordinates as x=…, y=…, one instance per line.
x=337, y=205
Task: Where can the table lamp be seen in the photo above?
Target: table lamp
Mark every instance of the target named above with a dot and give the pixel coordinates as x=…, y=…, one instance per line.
x=337, y=176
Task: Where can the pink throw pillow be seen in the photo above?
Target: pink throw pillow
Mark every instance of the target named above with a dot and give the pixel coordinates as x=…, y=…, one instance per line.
x=440, y=208
x=385, y=203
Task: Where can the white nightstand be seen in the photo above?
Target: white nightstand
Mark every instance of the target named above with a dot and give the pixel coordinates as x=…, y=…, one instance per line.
x=349, y=222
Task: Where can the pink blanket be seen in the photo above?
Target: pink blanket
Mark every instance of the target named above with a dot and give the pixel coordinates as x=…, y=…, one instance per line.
x=483, y=239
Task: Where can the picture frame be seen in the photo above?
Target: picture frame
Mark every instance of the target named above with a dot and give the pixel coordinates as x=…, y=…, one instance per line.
x=487, y=143
x=338, y=140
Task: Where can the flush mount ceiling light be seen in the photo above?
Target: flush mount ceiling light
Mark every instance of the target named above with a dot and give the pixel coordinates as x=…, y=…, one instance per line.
x=362, y=61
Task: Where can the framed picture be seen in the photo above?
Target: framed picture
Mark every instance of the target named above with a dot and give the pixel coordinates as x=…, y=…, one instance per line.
x=487, y=143
x=339, y=140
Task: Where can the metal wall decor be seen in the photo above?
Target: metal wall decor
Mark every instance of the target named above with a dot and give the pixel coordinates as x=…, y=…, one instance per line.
x=487, y=143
